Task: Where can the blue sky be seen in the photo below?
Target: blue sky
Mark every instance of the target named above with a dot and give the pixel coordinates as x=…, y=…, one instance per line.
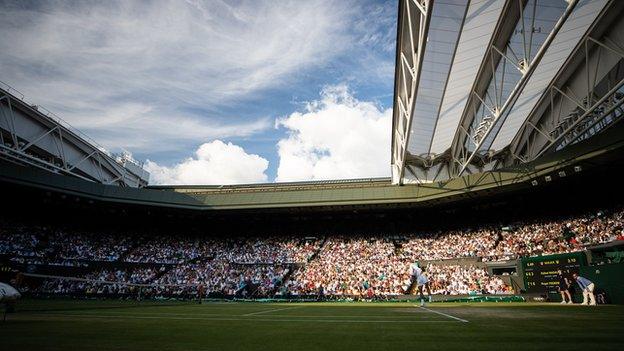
x=214, y=92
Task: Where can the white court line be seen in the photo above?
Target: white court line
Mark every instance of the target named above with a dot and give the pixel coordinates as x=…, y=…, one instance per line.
x=272, y=310
x=95, y=316
x=166, y=314
x=442, y=314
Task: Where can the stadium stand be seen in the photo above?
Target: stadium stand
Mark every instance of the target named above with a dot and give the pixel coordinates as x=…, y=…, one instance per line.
x=366, y=266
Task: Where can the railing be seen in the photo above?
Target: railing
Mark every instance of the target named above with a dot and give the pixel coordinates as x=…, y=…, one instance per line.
x=44, y=111
x=120, y=160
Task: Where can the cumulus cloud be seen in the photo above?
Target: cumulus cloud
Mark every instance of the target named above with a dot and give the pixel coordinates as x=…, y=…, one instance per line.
x=161, y=77
x=214, y=163
x=336, y=137
x=156, y=63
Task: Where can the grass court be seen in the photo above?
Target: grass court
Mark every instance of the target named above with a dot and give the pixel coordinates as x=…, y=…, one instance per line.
x=121, y=325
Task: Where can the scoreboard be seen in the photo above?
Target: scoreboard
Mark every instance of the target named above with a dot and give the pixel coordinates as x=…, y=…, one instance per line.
x=541, y=272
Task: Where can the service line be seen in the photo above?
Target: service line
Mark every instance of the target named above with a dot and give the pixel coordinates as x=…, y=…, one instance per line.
x=442, y=314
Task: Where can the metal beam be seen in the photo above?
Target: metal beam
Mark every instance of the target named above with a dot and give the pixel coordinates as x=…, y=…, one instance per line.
x=509, y=102
x=501, y=36
x=415, y=36
x=594, y=67
x=583, y=117
x=43, y=140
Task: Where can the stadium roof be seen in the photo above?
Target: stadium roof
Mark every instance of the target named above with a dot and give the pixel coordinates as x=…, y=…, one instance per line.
x=486, y=84
x=354, y=194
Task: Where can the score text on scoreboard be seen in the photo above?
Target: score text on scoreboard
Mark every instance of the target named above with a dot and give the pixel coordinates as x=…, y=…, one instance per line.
x=541, y=273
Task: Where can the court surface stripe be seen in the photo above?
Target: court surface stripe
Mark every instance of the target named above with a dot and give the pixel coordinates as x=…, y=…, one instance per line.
x=271, y=310
x=442, y=314
x=67, y=315
x=165, y=314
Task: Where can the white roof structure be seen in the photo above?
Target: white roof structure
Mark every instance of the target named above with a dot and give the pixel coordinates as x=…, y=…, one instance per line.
x=487, y=84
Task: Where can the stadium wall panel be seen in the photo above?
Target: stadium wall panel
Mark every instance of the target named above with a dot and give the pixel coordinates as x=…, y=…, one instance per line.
x=608, y=278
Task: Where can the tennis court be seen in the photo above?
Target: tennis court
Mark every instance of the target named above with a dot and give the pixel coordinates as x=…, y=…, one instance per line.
x=120, y=325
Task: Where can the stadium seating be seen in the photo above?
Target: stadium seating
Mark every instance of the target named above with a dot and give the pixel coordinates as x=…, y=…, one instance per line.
x=371, y=266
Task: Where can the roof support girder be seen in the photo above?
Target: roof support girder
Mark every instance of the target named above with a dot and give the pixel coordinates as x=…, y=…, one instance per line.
x=414, y=17
x=527, y=72
x=43, y=141
x=580, y=95
x=610, y=101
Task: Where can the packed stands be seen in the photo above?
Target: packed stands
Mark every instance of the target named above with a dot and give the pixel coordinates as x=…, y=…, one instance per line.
x=464, y=280
x=354, y=266
x=370, y=266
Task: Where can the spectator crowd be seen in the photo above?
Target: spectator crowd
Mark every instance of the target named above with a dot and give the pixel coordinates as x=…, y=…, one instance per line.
x=353, y=266
x=464, y=280
x=368, y=266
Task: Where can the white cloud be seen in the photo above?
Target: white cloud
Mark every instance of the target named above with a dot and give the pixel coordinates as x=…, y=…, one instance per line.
x=214, y=163
x=336, y=137
x=137, y=127
x=160, y=77
x=102, y=65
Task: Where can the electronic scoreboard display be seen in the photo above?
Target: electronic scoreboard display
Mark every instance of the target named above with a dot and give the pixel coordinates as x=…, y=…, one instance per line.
x=541, y=273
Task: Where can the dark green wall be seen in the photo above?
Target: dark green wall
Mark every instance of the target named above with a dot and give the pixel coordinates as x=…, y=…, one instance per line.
x=608, y=277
